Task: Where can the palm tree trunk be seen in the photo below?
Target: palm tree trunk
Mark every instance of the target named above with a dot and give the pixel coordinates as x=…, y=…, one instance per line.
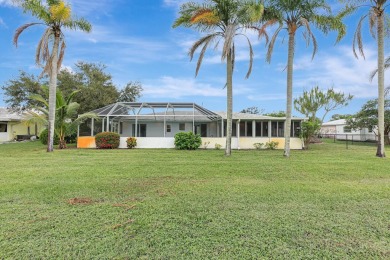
x=229, y=90
x=290, y=65
x=381, y=83
x=52, y=93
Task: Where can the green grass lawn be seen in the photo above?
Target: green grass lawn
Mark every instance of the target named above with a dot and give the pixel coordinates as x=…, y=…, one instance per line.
x=325, y=203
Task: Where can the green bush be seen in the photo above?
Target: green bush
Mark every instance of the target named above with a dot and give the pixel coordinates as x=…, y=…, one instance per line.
x=44, y=136
x=258, y=146
x=217, y=146
x=271, y=145
x=187, y=141
x=107, y=140
x=131, y=142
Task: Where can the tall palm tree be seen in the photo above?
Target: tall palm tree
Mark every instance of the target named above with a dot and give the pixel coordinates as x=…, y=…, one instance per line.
x=56, y=16
x=291, y=15
x=66, y=121
x=221, y=21
x=376, y=15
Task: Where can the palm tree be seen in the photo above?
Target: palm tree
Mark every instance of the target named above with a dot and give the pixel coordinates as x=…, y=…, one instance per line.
x=221, y=21
x=66, y=121
x=291, y=15
x=376, y=15
x=56, y=16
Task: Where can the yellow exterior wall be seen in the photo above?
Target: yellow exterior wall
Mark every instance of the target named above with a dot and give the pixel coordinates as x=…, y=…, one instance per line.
x=19, y=128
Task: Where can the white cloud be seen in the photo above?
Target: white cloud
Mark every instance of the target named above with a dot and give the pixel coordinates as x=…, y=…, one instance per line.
x=2, y=23
x=8, y=3
x=339, y=69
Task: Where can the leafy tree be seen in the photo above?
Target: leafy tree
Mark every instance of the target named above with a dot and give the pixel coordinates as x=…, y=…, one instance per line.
x=17, y=91
x=252, y=110
x=367, y=117
x=55, y=15
x=291, y=16
x=67, y=119
x=131, y=93
x=311, y=102
x=376, y=16
x=222, y=21
x=95, y=86
x=339, y=116
x=276, y=114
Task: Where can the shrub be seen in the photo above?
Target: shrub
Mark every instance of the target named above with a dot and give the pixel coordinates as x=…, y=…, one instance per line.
x=258, y=146
x=187, y=141
x=131, y=142
x=217, y=146
x=271, y=145
x=107, y=140
x=44, y=136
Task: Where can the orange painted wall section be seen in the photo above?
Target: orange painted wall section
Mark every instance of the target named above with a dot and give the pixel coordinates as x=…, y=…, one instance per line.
x=86, y=142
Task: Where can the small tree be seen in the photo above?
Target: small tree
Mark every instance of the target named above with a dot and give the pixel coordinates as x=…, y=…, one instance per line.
x=311, y=102
x=66, y=115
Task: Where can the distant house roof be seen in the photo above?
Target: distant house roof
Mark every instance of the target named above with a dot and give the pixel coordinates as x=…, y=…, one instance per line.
x=335, y=122
x=248, y=116
x=9, y=116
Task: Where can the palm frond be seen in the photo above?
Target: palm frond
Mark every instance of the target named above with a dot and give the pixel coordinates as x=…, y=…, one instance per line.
x=20, y=30
x=263, y=29
x=205, y=41
x=251, y=55
x=357, y=38
x=61, y=55
x=374, y=72
x=42, y=53
x=271, y=44
x=372, y=18
x=229, y=38
x=85, y=116
x=40, y=99
x=78, y=24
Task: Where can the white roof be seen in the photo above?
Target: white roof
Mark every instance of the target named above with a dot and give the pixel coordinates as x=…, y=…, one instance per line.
x=335, y=122
x=7, y=115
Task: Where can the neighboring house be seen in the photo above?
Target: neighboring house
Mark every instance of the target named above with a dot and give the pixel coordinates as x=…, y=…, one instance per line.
x=340, y=130
x=155, y=125
x=12, y=126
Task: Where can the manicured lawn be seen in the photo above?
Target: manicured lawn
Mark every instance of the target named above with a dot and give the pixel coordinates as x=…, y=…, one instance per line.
x=325, y=203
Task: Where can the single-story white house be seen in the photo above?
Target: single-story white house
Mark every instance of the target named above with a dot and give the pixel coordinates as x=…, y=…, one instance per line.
x=155, y=125
x=339, y=129
x=12, y=126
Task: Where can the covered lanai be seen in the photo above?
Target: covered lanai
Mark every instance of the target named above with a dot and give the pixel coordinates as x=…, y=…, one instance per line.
x=155, y=124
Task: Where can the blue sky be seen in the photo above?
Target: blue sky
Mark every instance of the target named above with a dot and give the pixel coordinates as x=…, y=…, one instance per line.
x=136, y=42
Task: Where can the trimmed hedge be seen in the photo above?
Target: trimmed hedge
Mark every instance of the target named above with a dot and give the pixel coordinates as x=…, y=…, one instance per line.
x=187, y=141
x=107, y=140
x=44, y=136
